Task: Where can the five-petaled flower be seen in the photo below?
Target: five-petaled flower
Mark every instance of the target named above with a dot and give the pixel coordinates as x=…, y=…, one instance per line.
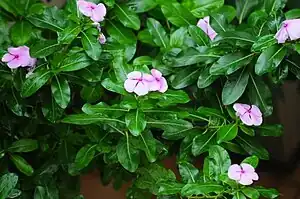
x=249, y=114
x=138, y=83
x=243, y=174
x=18, y=57
x=289, y=30
x=159, y=83
x=90, y=9
x=205, y=26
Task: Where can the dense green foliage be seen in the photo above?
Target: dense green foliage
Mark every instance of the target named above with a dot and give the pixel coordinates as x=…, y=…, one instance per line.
x=71, y=114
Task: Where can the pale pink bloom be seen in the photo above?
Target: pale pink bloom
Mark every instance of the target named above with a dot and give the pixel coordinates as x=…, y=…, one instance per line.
x=138, y=83
x=249, y=114
x=102, y=38
x=243, y=174
x=205, y=26
x=18, y=57
x=160, y=83
x=290, y=29
x=90, y=9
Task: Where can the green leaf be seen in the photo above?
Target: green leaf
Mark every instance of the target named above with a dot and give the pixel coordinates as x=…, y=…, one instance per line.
x=39, y=193
x=178, y=37
x=270, y=59
x=267, y=193
x=52, y=111
x=20, y=33
x=91, y=45
x=293, y=14
x=172, y=126
x=198, y=35
x=210, y=112
x=169, y=188
x=247, y=130
x=68, y=34
x=259, y=94
x=22, y=164
x=7, y=184
x=35, y=81
x=244, y=7
x=75, y=62
x=253, y=161
x=23, y=145
x=272, y=6
x=128, y=156
x=170, y=97
x=127, y=17
x=103, y=109
x=119, y=33
x=84, y=119
x=274, y=130
x=221, y=160
x=202, y=142
x=148, y=144
x=185, y=77
x=92, y=73
x=177, y=134
x=84, y=156
x=203, y=8
x=228, y=11
x=44, y=48
x=251, y=146
x=178, y=15
x=227, y=133
x=141, y=6
x=61, y=91
x=136, y=122
x=239, y=195
x=158, y=33
x=230, y=63
x=52, y=19
x=201, y=189
x=251, y=192
x=205, y=78
x=242, y=39
x=112, y=86
x=91, y=94
x=121, y=69
x=294, y=68
x=189, y=173
x=142, y=60
x=235, y=87
x=263, y=43
x=14, y=193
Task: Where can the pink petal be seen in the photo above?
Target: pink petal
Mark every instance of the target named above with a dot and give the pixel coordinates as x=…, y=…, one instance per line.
x=245, y=180
x=254, y=176
x=15, y=63
x=234, y=172
x=282, y=35
x=24, y=50
x=241, y=108
x=156, y=73
x=7, y=57
x=14, y=51
x=205, y=26
x=293, y=28
x=154, y=85
x=25, y=60
x=102, y=38
x=85, y=7
x=98, y=13
x=247, y=168
x=255, y=110
x=148, y=77
x=141, y=89
x=257, y=120
x=134, y=75
x=130, y=85
x=246, y=119
x=163, y=85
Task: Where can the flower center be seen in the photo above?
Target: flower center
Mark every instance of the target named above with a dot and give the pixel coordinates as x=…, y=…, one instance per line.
x=92, y=7
x=242, y=172
x=285, y=25
x=16, y=56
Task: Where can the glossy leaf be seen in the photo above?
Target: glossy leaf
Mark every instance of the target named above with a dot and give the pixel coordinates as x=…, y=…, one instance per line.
x=244, y=8
x=8, y=181
x=84, y=156
x=22, y=164
x=189, y=173
x=252, y=160
x=20, y=33
x=136, y=122
x=68, y=34
x=61, y=91
x=227, y=133
x=158, y=33
x=91, y=45
x=201, y=189
x=127, y=17
x=185, y=77
x=23, y=145
x=75, y=62
x=205, y=78
x=45, y=48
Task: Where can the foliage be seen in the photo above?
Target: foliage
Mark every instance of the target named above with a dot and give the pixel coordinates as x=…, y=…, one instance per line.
x=71, y=113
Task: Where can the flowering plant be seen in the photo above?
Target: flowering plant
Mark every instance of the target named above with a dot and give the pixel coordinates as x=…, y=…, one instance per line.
x=121, y=85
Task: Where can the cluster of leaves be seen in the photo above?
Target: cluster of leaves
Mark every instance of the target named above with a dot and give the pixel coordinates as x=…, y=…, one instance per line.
x=72, y=113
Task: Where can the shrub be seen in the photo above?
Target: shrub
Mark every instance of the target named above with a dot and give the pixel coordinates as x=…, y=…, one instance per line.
x=121, y=85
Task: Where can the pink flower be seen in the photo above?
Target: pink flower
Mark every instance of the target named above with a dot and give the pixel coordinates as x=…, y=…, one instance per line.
x=17, y=57
x=249, y=114
x=102, y=38
x=205, y=26
x=289, y=30
x=138, y=83
x=159, y=83
x=243, y=174
x=90, y=9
